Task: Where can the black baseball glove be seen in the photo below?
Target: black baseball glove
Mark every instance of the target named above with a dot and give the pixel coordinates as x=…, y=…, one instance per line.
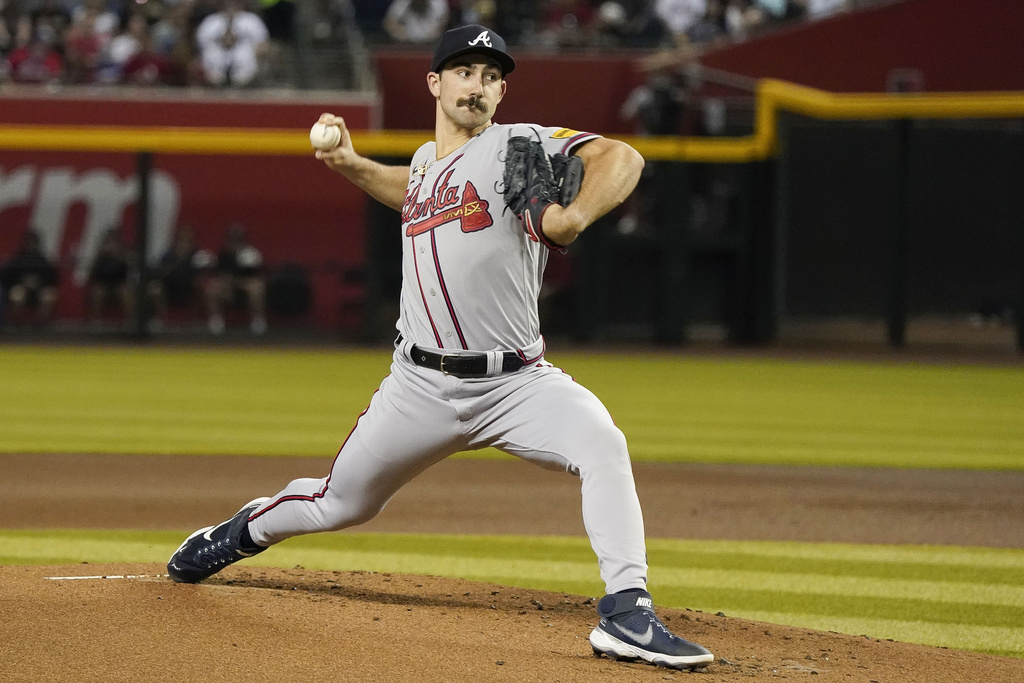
x=533, y=182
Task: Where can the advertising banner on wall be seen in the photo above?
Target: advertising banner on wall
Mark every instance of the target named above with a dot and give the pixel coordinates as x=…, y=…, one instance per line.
x=293, y=209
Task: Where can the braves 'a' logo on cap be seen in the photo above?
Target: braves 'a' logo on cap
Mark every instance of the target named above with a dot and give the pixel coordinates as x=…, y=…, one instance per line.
x=482, y=38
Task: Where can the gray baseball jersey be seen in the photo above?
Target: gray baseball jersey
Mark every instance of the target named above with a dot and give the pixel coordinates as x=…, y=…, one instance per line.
x=472, y=277
x=471, y=274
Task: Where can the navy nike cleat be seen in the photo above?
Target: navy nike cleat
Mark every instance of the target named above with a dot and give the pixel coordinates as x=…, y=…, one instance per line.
x=209, y=550
x=630, y=630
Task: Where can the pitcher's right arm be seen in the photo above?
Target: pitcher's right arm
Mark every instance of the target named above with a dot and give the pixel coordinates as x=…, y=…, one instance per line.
x=384, y=183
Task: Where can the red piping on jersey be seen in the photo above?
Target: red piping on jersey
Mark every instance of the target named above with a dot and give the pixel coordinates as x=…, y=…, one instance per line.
x=440, y=175
x=543, y=348
x=437, y=265
x=423, y=295
x=444, y=291
x=574, y=140
x=319, y=494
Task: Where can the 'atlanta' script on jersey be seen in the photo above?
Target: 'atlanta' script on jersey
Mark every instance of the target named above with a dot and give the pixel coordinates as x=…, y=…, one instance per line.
x=444, y=206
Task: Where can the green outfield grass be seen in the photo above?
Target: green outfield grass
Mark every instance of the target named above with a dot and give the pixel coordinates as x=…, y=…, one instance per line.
x=673, y=409
x=964, y=598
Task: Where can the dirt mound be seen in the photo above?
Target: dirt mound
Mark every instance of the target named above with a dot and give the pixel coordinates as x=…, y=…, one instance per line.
x=257, y=624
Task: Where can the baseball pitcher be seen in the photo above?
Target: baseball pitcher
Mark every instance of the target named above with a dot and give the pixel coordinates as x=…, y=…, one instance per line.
x=482, y=206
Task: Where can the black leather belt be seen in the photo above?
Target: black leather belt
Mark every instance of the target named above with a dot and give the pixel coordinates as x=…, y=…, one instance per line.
x=463, y=365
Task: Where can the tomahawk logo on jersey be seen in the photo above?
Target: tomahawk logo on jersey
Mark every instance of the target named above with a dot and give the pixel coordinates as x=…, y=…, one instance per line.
x=445, y=205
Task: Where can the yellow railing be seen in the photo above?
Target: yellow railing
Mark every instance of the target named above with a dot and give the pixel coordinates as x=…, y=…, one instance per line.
x=772, y=97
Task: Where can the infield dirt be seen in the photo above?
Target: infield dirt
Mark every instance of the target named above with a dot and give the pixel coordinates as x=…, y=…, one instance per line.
x=255, y=624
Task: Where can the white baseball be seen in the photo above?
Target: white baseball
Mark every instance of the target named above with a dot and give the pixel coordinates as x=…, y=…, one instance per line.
x=324, y=137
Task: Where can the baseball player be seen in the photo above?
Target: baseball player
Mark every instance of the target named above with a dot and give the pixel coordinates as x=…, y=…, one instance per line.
x=468, y=370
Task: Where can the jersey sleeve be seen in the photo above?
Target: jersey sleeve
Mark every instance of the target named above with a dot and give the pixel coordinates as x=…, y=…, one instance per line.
x=563, y=140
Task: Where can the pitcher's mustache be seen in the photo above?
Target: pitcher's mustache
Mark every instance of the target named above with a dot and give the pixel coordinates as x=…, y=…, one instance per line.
x=474, y=101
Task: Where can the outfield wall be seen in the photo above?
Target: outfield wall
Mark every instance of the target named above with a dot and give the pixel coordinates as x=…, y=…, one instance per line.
x=292, y=207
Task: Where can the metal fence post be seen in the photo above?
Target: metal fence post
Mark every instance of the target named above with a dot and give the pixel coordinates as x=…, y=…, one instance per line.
x=896, y=323
x=143, y=167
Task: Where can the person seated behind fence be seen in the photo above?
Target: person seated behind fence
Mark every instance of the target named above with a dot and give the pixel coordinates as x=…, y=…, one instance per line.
x=175, y=282
x=123, y=46
x=38, y=61
x=416, y=21
x=238, y=277
x=231, y=43
x=83, y=46
x=149, y=67
x=111, y=278
x=28, y=280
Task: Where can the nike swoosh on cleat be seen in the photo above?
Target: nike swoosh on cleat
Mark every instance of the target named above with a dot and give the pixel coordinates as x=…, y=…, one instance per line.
x=641, y=638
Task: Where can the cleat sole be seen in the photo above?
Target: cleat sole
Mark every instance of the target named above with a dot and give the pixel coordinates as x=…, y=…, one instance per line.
x=607, y=645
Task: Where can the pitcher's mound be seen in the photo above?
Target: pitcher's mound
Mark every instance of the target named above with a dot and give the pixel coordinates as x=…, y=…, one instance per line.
x=131, y=623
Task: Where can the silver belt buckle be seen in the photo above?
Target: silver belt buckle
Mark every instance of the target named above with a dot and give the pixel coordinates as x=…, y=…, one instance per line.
x=443, y=357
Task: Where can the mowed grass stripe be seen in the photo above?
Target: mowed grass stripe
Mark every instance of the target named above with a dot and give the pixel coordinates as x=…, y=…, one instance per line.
x=854, y=587
x=919, y=554
x=995, y=640
x=837, y=456
x=987, y=424
x=814, y=598
x=886, y=568
x=703, y=410
x=799, y=412
x=832, y=595
x=927, y=611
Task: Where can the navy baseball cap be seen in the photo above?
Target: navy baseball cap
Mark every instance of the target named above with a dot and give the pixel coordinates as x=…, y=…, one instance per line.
x=472, y=38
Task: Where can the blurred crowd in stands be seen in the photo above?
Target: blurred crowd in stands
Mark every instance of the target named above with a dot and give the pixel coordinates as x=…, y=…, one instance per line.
x=142, y=42
x=238, y=42
x=594, y=23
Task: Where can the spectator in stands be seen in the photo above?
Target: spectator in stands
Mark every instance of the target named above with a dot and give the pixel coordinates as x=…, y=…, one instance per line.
x=679, y=16
x=50, y=19
x=567, y=23
x=231, y=43
x=38, y=61
x=655, y=108
x=483, y=12
x=110, y=280
x=83, y=45
x=10, y=15
x=238, y=278
x=711, y=28
x=123, y=46
x=176, y=279
x=29, y=279
x=744, y=17
x=172, y=36
x=611, y=25
x=817, y=9
x=640, y=28
x=416, y=21
x=107, y=21
x=149, y=67
x=772, y=10
x=171, y=27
